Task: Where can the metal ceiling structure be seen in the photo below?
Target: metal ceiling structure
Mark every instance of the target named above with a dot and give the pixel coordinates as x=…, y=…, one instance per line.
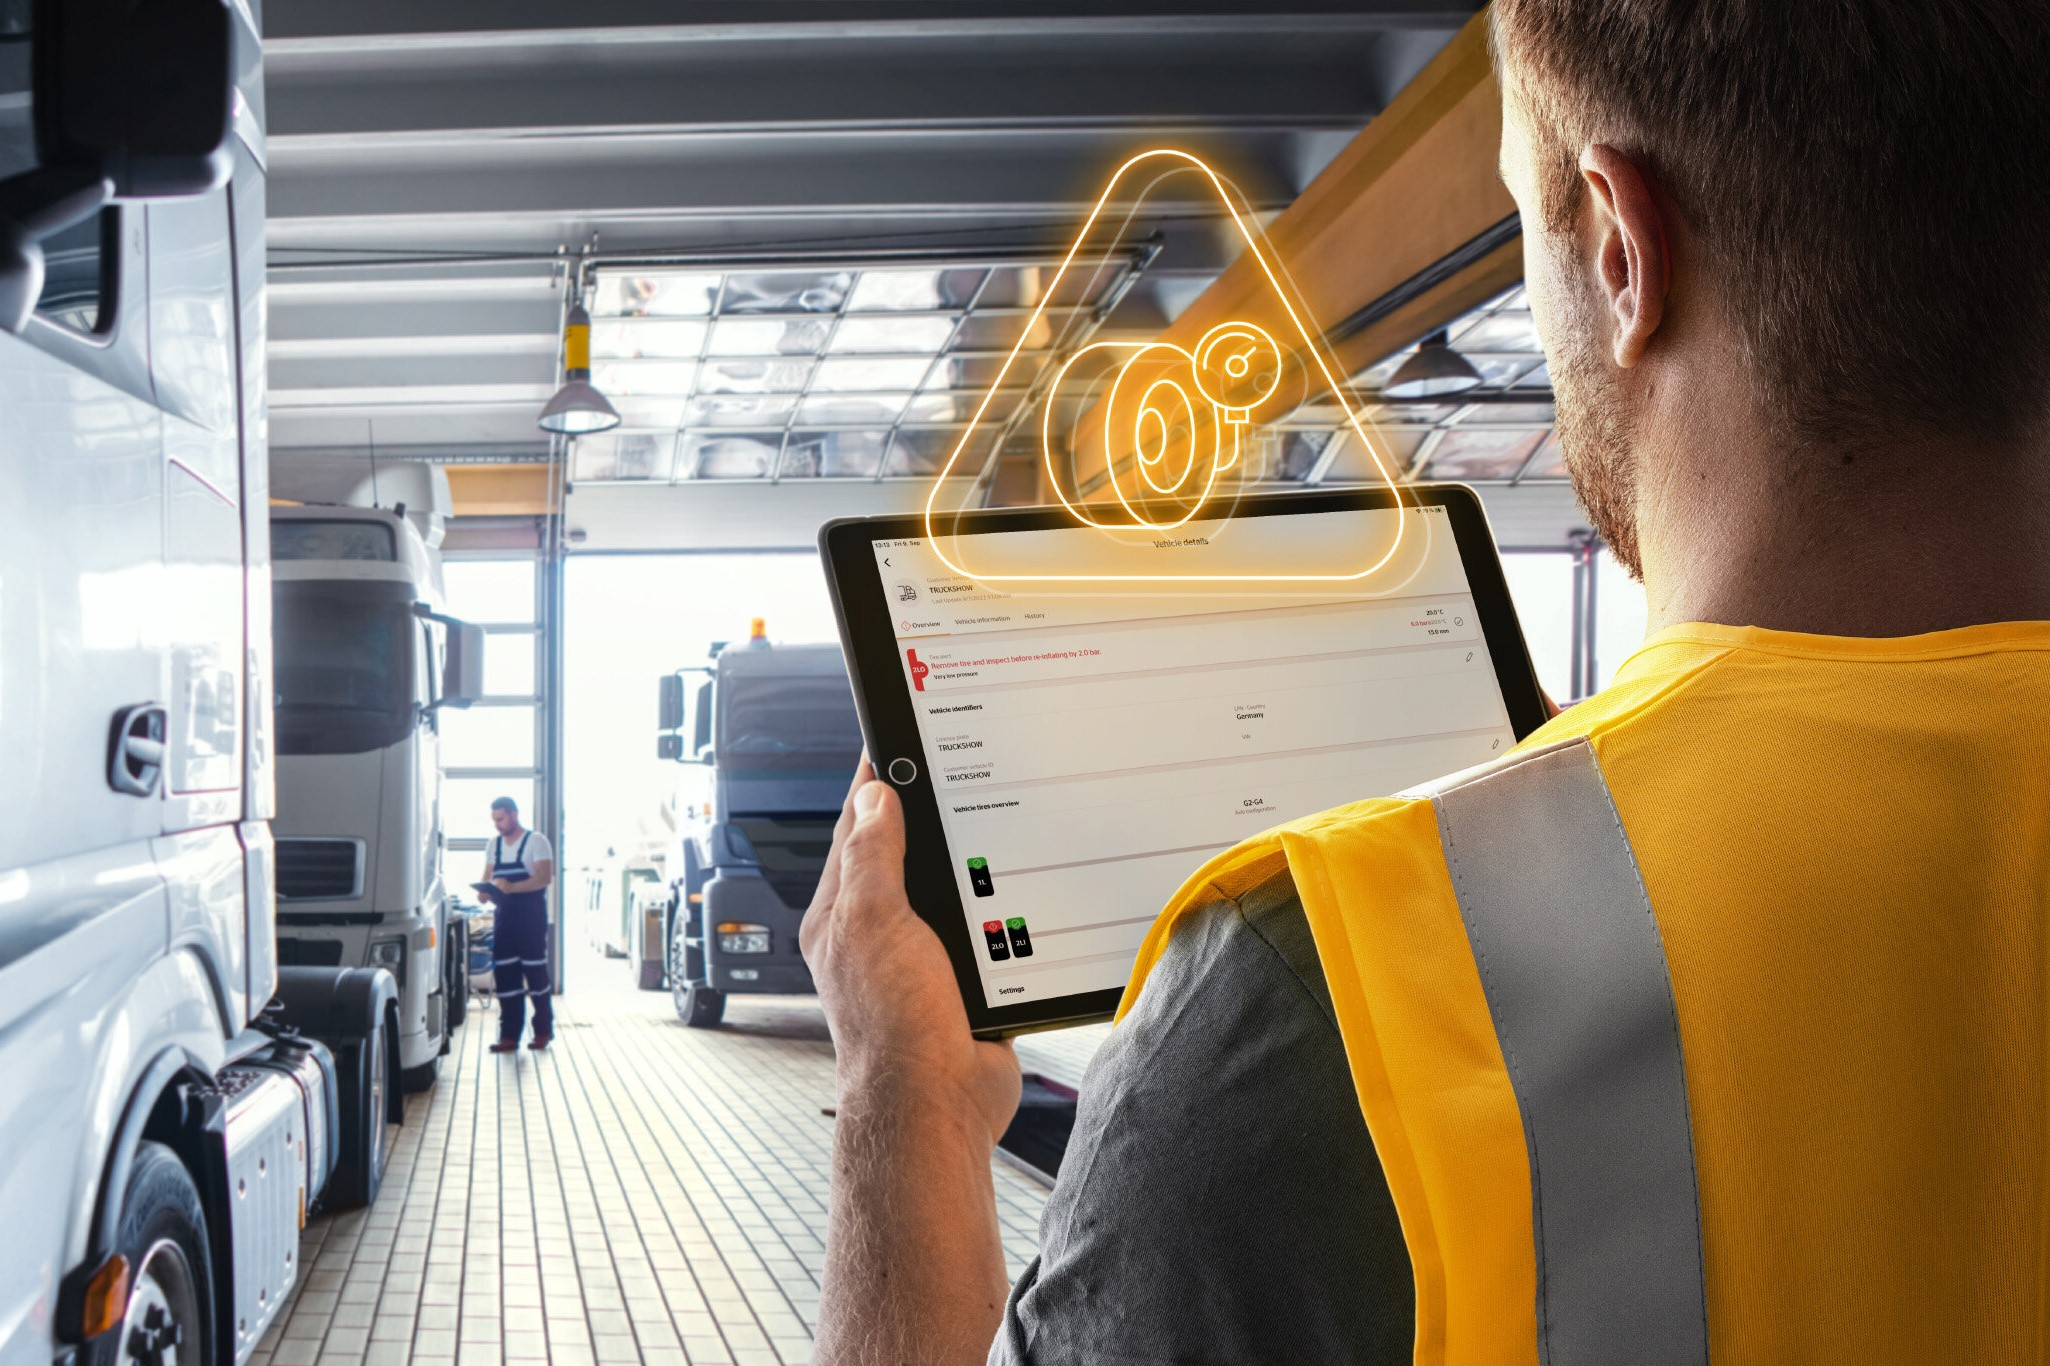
x=866, y=370
x=1497, y=433
x=440, y=171
x=430, y=160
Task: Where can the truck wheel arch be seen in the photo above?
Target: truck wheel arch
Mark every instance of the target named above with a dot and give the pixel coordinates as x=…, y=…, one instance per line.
x=154, y=1110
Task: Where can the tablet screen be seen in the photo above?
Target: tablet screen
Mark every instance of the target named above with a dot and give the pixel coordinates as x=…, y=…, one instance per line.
x=1089, y=752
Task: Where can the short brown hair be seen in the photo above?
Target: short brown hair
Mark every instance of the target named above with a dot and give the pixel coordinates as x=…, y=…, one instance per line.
x=1868, y=182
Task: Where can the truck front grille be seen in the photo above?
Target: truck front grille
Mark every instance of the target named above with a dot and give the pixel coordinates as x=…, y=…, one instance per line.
x=309, y=953
x=320, y=870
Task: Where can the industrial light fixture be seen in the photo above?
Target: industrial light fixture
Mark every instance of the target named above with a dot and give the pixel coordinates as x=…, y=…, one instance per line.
x=578, y=409
x=1434, y=369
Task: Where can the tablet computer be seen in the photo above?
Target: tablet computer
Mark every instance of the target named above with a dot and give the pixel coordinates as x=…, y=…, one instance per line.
x=1067, y=756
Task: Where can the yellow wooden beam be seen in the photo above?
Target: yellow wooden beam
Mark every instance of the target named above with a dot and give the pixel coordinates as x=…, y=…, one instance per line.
x=1418, y=183
x=498, y=490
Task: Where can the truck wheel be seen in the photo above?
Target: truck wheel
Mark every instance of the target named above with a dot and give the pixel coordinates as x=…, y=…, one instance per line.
x=701, y=1007
x=171, y=1294
x=685, y=966
x=366, y=1086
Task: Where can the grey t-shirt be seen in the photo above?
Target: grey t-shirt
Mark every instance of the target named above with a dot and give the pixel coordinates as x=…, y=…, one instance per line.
x=1220, y=1200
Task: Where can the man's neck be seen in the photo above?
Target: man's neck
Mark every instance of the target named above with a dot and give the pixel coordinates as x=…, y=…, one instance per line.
x=1901, y=555
x=1741, y=530
x=513, y=833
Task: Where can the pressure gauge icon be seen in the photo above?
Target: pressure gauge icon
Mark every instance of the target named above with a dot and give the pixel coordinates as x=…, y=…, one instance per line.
x=1238, y=368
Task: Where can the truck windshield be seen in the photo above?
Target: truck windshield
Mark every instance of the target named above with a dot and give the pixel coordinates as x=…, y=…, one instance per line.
x=788, y=726
x=344, y=665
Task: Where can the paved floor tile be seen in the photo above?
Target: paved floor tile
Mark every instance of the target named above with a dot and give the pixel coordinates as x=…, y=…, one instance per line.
x=642, y=1192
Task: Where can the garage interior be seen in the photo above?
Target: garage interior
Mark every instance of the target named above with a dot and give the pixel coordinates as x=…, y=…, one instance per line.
x=804, y=232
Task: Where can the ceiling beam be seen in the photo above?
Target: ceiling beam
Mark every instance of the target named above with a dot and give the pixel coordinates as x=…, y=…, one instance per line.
x=291, y=22
x=399, y=429
x=1415, y=186
x=815, y=172
x=651, y=84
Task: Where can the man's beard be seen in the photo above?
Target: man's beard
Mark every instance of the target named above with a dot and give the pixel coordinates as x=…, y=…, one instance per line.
x=1597, y=431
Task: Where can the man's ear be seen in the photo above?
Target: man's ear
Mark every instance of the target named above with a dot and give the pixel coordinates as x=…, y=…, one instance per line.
x=1631, y=260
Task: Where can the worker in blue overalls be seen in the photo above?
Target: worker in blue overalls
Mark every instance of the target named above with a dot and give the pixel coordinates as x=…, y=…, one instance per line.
x=520, y=864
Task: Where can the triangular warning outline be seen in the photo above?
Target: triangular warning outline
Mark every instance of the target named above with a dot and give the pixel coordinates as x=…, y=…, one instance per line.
x=1312, y=347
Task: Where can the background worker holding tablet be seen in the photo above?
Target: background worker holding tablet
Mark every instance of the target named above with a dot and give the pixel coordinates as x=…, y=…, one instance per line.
x=519, y=865
x=1714, y=1016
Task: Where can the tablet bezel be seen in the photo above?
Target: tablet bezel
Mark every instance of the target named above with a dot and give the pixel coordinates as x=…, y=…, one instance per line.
x=889, y=724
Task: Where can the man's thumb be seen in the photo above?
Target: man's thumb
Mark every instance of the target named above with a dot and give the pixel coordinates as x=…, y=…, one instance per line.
x=869, y=799
x=875, y=846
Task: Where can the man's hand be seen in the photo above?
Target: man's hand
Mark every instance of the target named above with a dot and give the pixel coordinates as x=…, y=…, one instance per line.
x=914, y=1261
x=889, y=992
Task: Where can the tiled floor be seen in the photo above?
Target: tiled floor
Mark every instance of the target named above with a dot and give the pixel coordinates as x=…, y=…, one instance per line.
x=640, y=1192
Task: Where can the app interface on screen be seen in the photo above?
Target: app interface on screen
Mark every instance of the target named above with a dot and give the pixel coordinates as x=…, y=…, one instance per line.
x=1090, y=751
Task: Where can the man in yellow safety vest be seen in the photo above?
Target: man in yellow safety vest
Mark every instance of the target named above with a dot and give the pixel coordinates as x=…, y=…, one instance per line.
x=1713, y=1022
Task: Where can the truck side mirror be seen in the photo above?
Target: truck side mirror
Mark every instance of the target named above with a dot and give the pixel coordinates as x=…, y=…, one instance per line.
x=672, y=704
x=463, y=678
x=701, y=721
x=669, y=746
x=132, y=101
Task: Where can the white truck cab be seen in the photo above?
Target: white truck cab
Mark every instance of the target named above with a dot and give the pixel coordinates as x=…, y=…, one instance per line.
x=173, y=1100
x=365, y=659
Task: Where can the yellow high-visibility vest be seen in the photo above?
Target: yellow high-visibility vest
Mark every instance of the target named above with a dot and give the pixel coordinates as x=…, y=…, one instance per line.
x=1713, y=1023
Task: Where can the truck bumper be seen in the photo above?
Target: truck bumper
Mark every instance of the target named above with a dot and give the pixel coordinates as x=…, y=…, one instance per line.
x=751, y=901
x=305, y=941
x=765, y=977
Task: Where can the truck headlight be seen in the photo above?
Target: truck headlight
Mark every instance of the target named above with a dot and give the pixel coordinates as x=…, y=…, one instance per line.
x=736, y=937
x=389, y=953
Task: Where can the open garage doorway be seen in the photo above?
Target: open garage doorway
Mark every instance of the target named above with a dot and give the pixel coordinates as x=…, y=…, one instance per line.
x=630, y=619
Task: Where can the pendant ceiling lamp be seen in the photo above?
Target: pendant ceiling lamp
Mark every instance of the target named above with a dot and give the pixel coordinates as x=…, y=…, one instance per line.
x=578, y=408
x=1434, y=370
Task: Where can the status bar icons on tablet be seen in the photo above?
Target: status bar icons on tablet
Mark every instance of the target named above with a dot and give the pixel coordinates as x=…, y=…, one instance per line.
x=1153, y=443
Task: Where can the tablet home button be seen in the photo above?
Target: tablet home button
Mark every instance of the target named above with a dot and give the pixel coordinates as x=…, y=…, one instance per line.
x=902, y=771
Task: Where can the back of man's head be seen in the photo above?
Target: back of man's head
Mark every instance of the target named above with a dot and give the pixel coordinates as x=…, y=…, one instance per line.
x=1866, y=182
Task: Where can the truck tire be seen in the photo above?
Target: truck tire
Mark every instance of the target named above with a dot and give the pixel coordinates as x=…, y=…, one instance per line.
x=170, y=1292
x=366, y=1085
x=701, y=1007
x=697, y=1004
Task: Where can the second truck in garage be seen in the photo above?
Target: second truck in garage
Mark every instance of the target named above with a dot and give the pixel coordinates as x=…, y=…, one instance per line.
x=362, y=646
x=774, y=742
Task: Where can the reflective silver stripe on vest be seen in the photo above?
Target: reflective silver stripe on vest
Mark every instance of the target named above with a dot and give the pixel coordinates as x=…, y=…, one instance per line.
x=1575, y=974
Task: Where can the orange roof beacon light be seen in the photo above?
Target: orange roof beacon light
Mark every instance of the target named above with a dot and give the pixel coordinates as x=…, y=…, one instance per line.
x=1151, y=444
x=758, y=633
x=578, y=409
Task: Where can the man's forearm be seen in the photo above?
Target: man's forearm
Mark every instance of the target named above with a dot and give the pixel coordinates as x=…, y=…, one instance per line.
x=915, y=1262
